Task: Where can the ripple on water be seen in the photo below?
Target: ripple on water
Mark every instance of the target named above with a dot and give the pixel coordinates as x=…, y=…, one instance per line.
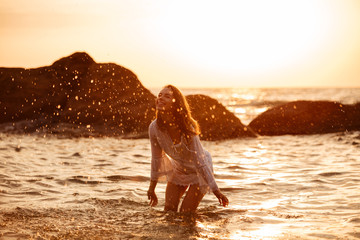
x=283, y=185
x=139, y=156
x=354, y=220
x=323, y=236
x=76, y=155
x=235, y=167
x=116, y=178
x=83, y=180
x=331, y=174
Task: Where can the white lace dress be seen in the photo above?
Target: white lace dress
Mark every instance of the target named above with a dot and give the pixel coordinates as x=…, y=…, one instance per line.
x=182, y=164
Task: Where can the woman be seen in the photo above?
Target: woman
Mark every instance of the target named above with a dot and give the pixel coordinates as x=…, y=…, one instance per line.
x=178, y=154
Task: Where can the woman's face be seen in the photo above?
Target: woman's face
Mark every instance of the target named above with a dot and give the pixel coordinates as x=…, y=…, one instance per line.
x=165, y=100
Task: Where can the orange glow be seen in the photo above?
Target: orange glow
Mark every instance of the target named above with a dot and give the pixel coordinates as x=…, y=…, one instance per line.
x=188, y=43
x=264, y=232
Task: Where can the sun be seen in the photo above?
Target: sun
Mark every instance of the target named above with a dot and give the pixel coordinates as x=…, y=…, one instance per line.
x=243, y=36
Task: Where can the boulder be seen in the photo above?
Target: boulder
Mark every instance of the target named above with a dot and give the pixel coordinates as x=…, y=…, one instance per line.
x=307, y=117
x=76, y=93
x=111, y=101
x=216, y=122
x=76, y=96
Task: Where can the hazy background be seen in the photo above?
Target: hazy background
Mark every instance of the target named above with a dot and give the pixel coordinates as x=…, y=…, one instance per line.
x=192, y=43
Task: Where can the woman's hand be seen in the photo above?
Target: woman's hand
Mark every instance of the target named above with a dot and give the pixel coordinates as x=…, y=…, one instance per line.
x=223, y=200
x=151, y=194
x=152, y=197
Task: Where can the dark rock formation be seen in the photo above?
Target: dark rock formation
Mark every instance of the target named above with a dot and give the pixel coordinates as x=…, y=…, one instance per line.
x=76, y=96
x=215, y=121
x=307, y=117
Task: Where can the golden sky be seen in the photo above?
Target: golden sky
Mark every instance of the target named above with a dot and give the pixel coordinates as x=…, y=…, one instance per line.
x=193, y=43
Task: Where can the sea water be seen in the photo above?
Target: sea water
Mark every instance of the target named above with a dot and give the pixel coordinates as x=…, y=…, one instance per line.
x=281, y=187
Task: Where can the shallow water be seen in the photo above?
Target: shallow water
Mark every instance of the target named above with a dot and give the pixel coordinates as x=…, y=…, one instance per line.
x=284, y=187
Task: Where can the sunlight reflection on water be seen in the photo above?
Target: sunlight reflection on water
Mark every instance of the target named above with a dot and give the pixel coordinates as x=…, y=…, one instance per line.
x=264, y=232
x=300, y=185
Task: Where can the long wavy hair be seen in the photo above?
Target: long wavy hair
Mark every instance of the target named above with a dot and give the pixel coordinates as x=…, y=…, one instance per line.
x=182, y=113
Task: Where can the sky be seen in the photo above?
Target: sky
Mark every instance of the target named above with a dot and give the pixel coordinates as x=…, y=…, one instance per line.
x=193, y=43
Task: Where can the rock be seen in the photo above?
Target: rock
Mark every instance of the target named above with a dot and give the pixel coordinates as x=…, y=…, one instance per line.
x=111, y=100
x=307, y=117
x=77, y=97
x=25, y=93
x=75, y=91
x=216, y=122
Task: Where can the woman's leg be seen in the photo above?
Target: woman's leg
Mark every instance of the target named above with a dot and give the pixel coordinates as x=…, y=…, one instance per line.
x=193, y=198
x=172, y=196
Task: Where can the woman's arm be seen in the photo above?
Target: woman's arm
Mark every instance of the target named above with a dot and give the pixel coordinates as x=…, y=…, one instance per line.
x=200, y=159
x=199, y=156
x=223, y=200
x=157, y=155
x=156, y=160
x=151, y=194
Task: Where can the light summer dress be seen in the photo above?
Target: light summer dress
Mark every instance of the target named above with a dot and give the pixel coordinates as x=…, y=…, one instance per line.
x=182, y=164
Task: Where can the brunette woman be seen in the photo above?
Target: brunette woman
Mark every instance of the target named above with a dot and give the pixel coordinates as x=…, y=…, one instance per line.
x=178, y=154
